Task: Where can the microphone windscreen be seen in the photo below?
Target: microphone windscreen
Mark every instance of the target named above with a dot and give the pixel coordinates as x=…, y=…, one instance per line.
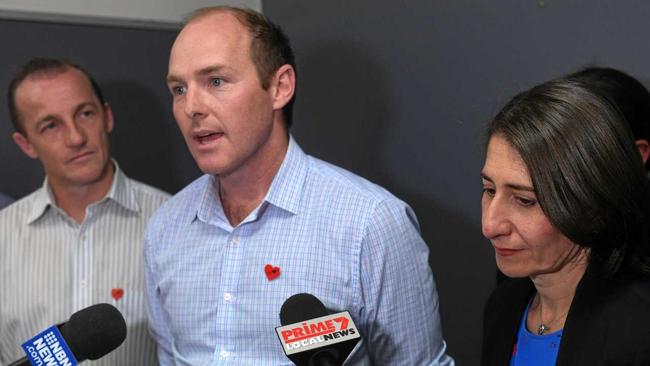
x=94, y=331
x=301, y=307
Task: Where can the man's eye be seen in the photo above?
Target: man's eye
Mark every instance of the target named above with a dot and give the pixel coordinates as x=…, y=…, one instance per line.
x=87, y=113
x=48, y=126
x=178, y=90
x=216, y=81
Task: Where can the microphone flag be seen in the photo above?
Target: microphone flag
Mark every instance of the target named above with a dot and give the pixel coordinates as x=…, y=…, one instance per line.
x=317, y=333
x=49, y=348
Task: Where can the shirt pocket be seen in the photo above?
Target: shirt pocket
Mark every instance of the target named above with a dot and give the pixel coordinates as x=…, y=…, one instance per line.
x=131, y=303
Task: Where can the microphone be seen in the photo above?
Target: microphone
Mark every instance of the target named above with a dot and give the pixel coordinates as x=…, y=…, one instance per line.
x=90, y=333
x=311, y=336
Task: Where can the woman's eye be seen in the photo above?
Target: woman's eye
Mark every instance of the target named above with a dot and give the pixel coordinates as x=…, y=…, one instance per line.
x=525, y=202
x=489, y=191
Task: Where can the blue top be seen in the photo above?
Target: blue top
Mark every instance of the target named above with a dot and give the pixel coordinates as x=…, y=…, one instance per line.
x=328, y=232
x=535, y=350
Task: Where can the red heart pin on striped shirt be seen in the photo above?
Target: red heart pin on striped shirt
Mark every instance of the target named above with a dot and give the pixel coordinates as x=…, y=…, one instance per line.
x=117, y=293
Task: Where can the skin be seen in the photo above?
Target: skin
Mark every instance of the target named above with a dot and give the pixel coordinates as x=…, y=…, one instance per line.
x=66, y=128
x=526, y=243
x=644, y=149
x=233, y=127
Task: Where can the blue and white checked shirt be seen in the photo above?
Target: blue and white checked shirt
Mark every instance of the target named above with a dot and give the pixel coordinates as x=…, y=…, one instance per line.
x=333, y=234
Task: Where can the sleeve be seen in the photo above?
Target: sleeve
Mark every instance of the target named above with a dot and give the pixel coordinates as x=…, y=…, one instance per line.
x=399, y=310
x=158, y=325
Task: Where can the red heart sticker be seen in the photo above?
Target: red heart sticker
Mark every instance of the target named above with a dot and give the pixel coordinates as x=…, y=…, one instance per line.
x=271, y=272
x=117, y=293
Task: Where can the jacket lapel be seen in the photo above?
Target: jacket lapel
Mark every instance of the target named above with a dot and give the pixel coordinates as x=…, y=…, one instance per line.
x=586, y=342
x=503, y=314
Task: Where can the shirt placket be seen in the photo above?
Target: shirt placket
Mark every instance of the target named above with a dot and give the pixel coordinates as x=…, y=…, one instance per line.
x=227, y=314
x=83, y=265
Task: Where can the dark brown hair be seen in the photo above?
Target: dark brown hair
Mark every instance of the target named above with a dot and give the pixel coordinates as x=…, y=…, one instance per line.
x=586, y=170
x=625, y=92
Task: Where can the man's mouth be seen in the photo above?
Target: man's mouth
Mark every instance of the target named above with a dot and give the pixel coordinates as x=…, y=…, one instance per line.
x=80, y=156
x=207, y=137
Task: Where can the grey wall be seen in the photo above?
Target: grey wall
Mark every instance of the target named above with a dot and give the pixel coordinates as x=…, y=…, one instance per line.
x=400, y=92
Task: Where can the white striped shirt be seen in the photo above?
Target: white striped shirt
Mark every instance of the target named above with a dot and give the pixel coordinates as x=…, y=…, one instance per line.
x=51, y=267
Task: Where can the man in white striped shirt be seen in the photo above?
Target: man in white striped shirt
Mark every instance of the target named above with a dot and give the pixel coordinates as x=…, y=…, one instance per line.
x=77, y=240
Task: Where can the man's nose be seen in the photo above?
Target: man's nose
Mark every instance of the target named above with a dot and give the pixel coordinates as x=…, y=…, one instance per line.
x=194, y=104
x=75, y=135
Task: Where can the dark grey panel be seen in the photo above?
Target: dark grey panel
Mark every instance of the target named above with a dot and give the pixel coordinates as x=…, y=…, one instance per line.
x=400, y=92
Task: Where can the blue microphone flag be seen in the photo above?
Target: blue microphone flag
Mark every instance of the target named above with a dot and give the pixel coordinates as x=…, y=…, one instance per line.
x=48, y=348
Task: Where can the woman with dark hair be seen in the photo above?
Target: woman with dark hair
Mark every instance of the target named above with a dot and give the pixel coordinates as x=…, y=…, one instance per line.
x=566, y=205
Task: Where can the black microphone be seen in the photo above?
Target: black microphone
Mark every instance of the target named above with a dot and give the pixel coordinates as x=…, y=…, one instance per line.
x=312, y=336
x=90, y=333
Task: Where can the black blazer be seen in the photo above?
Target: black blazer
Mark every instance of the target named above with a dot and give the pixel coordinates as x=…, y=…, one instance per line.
x=608, y=322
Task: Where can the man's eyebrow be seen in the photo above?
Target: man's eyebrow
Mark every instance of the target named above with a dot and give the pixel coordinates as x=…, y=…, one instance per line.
x=84, y=105
x=171, y=78
x=42, y=120
x=212, y=69
x=49, y=117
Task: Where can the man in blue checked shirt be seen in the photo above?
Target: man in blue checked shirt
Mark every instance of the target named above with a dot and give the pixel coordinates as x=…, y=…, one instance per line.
x=267, y=221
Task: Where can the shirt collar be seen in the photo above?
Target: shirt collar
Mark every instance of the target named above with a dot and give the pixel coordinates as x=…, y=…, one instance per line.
x=120, y=192
x=284, y=193
x=286, y=189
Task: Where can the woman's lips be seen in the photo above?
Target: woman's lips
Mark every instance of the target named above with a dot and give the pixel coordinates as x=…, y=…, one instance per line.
x=504, y=252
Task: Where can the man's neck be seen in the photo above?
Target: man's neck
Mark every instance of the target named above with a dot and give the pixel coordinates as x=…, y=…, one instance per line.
x=74, y=199
x=243, y=191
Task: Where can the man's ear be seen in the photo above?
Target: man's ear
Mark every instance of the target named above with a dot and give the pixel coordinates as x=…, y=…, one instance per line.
x=108, y=113
x=644, y=149
x=283, y=86
x=24, y=145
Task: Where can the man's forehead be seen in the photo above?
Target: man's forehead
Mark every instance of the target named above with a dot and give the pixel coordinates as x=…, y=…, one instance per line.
x=219, y=29
x=207, y=42
x=63, y=76
x=41, y=86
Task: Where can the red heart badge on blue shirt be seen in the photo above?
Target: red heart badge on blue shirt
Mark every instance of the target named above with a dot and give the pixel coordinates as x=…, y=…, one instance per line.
x=271, y=272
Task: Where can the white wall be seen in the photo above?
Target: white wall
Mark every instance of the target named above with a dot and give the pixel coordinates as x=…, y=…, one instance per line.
x=139, y=13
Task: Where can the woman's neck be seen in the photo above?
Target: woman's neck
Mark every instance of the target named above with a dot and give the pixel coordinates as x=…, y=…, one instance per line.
x=555, y=292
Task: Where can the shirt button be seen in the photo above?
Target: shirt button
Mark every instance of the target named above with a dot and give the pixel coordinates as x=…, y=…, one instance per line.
x=83, y=283
x=227, y=296
x=224, y=354
x=235, y=240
